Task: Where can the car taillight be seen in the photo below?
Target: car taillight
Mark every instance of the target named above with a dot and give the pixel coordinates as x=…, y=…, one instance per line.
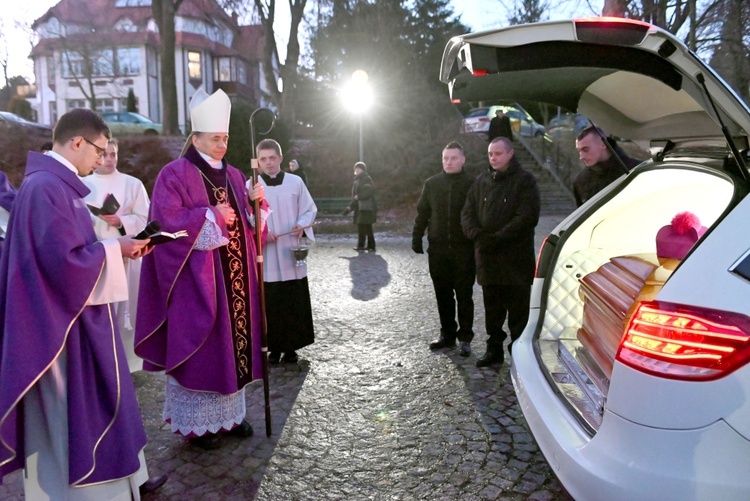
x=685, y=342
x=545, y=255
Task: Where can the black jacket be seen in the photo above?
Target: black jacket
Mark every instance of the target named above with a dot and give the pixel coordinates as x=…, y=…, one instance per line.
x=365, y=207
x=500, y=127
x=591, y=180
x=501, y=212
x=439, y=211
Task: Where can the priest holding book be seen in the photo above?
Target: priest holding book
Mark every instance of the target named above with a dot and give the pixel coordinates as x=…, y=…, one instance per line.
x=198, y=308
x=130, y=198
x=68, y=409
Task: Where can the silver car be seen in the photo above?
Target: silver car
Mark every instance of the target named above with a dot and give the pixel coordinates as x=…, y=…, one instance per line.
x=125, y=123
x=477, y=121
x=633, y=371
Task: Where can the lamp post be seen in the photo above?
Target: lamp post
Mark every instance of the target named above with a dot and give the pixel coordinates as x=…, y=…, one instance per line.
x=357, y=98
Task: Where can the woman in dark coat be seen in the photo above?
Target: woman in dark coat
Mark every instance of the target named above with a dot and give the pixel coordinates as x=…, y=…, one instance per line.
x=296, y=169
x=364, y=206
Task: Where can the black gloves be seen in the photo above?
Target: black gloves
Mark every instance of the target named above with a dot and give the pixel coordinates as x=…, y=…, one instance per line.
x=487, y=242
x=416, y=246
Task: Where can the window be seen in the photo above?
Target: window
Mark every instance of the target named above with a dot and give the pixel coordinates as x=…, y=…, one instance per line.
x=51, y=75
x=105, y=105
x=100, y=61
x=223, y=69
x=194, y=65
x=53, y=112
x=133, y=3
x=151, y=62
x=73, y=104
x=126, y=24
x=128, y=61
x=241, y=72
x=103, y=63
x=72, y=63
x=102, y=105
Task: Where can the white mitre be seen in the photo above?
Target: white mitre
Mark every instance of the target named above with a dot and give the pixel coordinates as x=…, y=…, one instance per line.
x=210, y=113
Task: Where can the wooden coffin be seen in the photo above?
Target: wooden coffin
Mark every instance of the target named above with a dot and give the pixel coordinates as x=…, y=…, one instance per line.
x=609, y=296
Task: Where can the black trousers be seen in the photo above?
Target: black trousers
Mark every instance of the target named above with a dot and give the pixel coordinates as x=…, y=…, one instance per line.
x=364, y=231
x=501, y=301
x=452, y=271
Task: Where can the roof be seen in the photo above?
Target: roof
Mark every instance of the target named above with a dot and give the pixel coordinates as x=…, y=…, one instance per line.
x=248, y=40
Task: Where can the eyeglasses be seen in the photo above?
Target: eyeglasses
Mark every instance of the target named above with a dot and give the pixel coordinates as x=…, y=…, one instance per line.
x=100, y=151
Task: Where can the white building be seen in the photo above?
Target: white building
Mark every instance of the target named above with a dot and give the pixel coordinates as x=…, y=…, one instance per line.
x=105, y=48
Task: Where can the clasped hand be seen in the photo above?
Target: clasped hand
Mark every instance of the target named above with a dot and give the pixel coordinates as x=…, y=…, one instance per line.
x=133, y=248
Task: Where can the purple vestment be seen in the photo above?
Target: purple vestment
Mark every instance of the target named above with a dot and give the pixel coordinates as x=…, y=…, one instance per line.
x=7, y=195
x=7, y=192
x=183, y=324
x=49, y=267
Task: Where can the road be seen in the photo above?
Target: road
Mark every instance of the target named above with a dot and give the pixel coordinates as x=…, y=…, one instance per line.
x=369, y=412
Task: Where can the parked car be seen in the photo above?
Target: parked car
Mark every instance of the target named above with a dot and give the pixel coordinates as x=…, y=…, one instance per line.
x=11, y=120
x=477, y=121
x=569, y=122
x=633, y=377
x=124, y=123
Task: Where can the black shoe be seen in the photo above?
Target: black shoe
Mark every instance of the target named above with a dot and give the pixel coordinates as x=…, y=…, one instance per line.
x=207, y=442
x=464, y=349
x=152, y=484
x=360, y=249
x=371, y=249
x=242, y=430
x=442, y=343
x=290, y=357
x=489, y=358
x=274, y=357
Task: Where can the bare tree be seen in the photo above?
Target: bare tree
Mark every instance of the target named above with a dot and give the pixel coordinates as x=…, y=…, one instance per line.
x=164, y=12
x=87, y=57
x=4, y=53
x=266, y=10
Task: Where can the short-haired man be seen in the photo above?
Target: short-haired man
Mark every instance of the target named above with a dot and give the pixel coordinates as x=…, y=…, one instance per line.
x=68, y=409
x=601, y=167
x=501, y=212
x=288, y=307
x=450, y=252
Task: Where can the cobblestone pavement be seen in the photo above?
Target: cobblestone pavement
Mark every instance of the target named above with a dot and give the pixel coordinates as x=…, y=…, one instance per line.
x=369, y=412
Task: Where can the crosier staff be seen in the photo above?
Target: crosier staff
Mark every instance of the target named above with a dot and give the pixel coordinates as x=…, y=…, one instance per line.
x=259, y=267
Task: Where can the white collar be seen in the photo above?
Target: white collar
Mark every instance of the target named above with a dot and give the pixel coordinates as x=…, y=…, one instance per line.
x=62, y=160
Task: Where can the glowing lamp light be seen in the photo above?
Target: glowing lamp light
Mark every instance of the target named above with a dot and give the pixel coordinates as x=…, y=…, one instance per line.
x=357, y=95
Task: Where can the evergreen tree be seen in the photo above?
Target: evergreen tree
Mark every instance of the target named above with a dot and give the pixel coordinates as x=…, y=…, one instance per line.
x=399, y=44
x=131, y=104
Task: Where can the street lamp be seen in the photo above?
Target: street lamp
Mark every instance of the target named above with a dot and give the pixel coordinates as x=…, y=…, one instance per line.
x=357, y=98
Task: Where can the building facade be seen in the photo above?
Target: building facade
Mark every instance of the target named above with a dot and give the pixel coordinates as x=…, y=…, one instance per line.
x=106, y=49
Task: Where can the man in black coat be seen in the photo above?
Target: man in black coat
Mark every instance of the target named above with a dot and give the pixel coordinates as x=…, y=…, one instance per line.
x=501, y=212
x=602, y=167
x=500, y=126
x=450, y=253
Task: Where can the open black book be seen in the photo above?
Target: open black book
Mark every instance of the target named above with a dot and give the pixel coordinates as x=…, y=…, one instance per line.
x=153, y=231
x=108, y=208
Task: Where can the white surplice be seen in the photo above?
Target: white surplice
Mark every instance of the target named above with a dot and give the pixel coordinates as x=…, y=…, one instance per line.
x=290, y=204
x=133, y=212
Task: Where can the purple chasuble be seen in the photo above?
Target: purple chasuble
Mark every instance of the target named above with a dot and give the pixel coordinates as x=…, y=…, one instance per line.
x=7, y=195
x=7, y=192
x=184, y=324
x=49, y=268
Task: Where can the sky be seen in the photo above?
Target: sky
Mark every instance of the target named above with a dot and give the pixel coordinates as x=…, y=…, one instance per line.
x=477, y=14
